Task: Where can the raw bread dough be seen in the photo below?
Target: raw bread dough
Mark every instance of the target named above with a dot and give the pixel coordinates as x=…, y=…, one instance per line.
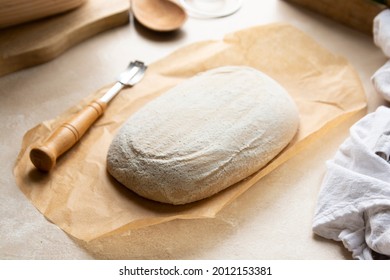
x=204, y=135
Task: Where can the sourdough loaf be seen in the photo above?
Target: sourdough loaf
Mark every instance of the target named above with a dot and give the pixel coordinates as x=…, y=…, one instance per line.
x=204, y=135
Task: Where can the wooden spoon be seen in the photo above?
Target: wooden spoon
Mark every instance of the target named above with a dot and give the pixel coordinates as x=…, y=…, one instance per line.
x=159, y=15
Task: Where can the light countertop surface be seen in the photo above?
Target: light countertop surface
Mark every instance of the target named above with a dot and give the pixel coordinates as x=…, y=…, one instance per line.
x=246, y=229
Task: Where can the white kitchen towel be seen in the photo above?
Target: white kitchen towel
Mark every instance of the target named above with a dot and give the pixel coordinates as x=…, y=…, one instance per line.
x=354, y=202
x=381, y=81
x=381, y=33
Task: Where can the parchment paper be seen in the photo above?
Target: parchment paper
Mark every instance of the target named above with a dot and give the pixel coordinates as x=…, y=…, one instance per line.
x=87, y=203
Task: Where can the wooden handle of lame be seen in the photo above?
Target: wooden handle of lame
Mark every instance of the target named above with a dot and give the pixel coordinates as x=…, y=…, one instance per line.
x=44, y=157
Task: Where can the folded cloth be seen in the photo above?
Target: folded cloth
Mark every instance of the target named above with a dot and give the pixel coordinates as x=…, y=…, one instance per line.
x=381, y=81
x=354, y=202
x=381, y=33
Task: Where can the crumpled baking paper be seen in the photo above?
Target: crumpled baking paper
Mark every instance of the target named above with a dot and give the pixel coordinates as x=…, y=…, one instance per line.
x=80, y=196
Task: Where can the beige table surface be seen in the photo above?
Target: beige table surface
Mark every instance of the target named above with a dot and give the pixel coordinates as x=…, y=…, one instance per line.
x=272, y=220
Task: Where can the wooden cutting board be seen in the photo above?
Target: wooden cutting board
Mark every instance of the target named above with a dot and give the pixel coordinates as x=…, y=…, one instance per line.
x=37, y=42
x=358, y=14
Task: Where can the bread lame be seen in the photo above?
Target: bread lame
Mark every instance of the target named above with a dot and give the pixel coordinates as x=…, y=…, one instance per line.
x=44, y=156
